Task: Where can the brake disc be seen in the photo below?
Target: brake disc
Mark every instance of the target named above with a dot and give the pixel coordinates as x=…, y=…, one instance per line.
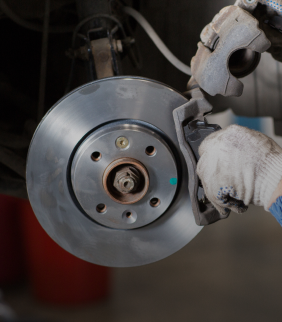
x=105, y=176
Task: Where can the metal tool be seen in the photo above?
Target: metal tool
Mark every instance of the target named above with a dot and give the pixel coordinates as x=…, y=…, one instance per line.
x=192, y=128
x=106, y=177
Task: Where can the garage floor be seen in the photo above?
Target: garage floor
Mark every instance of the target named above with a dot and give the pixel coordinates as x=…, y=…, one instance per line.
x=230, y=272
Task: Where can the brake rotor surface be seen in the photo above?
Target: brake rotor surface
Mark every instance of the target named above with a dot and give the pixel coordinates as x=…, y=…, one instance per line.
x=105, y=175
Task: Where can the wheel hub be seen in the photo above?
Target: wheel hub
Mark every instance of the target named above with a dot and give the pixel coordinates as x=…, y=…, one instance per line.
x=124, y=180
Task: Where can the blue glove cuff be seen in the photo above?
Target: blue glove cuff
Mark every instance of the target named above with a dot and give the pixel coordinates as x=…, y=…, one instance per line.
x=276, y=210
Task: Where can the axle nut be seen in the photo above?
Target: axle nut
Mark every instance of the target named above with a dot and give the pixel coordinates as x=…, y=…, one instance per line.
x=127, y=179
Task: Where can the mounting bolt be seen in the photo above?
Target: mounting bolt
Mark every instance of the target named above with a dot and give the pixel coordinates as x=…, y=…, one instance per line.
x=117, y=46
x=122, y=142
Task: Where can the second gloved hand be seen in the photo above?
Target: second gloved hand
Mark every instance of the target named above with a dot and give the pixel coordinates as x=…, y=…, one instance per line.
x=238, y=167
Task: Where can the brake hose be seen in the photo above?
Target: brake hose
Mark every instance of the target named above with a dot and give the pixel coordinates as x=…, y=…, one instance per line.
x=157, y=41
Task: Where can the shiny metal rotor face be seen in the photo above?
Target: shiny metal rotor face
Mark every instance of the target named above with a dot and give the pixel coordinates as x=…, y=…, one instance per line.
x=105, y=175
x=99, y=150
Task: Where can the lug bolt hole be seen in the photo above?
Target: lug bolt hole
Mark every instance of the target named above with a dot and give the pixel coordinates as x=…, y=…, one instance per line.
x=151, y=150
x=96, y=156
x=101, y=208
x=128, y=214
x=155, y=202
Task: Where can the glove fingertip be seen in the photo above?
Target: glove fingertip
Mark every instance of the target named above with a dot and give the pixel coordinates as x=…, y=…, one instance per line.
x=239, y=210
x=222, y=210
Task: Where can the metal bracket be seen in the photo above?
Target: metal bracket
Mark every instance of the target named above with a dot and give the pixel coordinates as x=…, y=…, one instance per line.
x=231, y=30
x=101, y=51
x=191, y=129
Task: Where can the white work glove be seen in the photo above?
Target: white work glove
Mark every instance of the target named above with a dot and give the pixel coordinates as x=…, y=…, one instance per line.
x=238, y=167
x=250, y=5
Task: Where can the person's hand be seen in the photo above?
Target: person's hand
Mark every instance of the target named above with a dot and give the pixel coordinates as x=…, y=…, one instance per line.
x=238, y=167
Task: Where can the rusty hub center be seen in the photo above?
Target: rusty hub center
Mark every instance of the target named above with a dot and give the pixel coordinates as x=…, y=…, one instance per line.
x=126, y=181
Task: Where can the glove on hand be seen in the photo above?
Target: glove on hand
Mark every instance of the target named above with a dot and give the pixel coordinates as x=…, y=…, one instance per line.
x=239, y=166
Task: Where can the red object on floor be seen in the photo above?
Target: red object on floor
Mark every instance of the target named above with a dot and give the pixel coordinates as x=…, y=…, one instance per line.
x=11, y=252
x=57, y=276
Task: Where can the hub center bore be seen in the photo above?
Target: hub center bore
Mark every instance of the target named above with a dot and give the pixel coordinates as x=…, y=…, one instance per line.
x=126, y=181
